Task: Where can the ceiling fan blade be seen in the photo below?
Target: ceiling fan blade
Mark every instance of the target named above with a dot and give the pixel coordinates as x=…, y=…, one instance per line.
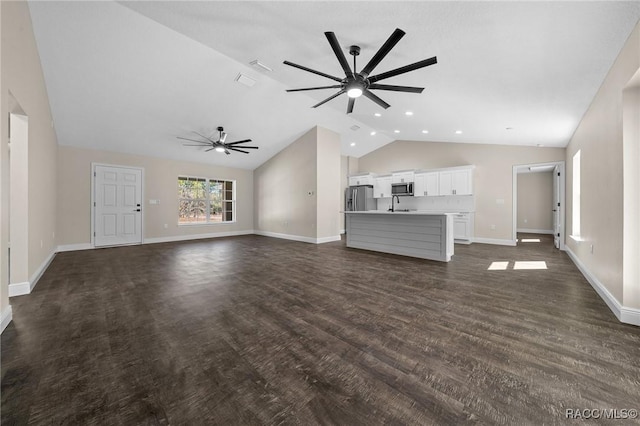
x=350, y=105
x=237, y=142
x=210, y=149
x=396, y=88
x=291, y=64
x=194, y=140
x=335, y=95
x=203, y=145
x=337, y=86
x=402, y=70
x=226, y=151
x=333, y=41
x=243, y=147
x=376, y=99
x=239, y=150
x=203, y=136
x=393, y=39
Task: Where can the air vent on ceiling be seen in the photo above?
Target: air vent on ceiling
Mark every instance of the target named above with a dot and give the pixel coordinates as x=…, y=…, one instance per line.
x=260, y=66
x=247, y=81
x=355, y=127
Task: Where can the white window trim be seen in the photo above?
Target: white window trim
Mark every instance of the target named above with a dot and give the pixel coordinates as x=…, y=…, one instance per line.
x=208, y=210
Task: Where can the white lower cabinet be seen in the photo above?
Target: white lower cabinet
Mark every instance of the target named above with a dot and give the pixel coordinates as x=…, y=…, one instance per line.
x=463, y=227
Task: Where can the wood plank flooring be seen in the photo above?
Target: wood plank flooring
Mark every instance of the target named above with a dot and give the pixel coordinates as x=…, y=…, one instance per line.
x=255, y=330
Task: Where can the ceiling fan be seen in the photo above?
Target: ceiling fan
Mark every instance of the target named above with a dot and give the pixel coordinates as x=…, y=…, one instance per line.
x=360, y=83
x=219, y=145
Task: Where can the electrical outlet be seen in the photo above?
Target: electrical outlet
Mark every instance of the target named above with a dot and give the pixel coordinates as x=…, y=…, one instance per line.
x=493, y=227
x=166, y=225
x=591, y=248
x=41, y=244
x=525, y=221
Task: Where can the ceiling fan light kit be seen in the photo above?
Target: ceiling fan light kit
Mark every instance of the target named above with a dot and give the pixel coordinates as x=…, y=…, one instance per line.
x=356, y=84
x=219, y=145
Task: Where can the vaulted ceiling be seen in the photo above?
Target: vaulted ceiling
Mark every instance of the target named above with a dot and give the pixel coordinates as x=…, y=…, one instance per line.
x=132, y=76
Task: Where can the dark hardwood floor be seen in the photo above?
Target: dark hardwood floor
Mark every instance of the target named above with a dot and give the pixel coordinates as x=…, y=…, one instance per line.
x=256, y=330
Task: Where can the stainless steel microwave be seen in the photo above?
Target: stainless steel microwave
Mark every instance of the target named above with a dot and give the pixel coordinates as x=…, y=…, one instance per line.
x=402, y=188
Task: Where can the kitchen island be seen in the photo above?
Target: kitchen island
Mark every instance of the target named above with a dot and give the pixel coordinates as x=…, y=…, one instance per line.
x=413, y=233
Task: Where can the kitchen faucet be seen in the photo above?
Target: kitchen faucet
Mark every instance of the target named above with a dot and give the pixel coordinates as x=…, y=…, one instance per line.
x=392, y=198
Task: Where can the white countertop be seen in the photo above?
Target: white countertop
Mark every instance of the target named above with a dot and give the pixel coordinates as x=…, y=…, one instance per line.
x=412, y=212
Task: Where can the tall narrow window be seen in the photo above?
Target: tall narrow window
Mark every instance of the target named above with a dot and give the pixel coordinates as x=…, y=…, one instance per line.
x=202, y=200
x=575, y=230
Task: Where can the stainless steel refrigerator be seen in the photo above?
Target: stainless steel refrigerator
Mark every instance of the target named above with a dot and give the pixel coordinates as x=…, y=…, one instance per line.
x=359, y=198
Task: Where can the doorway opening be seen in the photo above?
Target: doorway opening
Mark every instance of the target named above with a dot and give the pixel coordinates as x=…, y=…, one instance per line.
x=17, y=247
x=539, y=203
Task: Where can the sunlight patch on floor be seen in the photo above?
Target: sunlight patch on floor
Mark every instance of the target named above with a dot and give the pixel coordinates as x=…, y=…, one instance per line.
x=521, y=265
x=530, y=265
x=498, y=266
x=530, y=240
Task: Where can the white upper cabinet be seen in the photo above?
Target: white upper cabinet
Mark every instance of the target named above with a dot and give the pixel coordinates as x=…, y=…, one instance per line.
x=402, y=177
x=363, y=179
x=456, y=182
x=382, y=187
x=426, y=184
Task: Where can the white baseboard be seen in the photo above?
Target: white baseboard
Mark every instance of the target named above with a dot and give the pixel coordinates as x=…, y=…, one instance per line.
x=466, y=242
x=630, y=316
x=20, y=289
x=535, y=231
x=624, y=314
x=74, y=247
x=328, y=239
x=494, y=241
x=300, y=238
x=5, y=318
x=196, y=236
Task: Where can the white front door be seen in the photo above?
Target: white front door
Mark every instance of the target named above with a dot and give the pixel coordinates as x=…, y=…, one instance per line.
x=556, y=207
x=117, y=206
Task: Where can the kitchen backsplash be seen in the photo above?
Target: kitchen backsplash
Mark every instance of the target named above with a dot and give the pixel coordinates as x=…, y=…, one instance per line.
x=447, y=203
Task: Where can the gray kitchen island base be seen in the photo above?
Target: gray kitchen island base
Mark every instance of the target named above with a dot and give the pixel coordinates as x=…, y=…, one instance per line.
x=423, y=235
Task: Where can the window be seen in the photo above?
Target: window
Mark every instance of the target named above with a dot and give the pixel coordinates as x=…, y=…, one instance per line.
x=203, y=200
x=575, y=231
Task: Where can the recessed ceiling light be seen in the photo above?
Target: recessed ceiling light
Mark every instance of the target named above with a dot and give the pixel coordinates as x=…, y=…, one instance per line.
x=458, y=132
x=353, y=144
x=377, y=114
x=425, y=131
x=508, y=128
x=373, y=133
x=396, y=131
x=408, y=113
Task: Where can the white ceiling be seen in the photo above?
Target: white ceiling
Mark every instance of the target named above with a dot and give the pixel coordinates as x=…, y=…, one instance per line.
x=131, y=76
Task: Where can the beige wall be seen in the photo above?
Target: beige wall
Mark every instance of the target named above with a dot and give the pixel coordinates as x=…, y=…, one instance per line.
x=22, y=77
x=160, y=183
x=344, y=183
x=282, y=204
x=599, y=138
x=631, y=225
x=535, y=201
x=492, y=176
x=296, y=192
x=328, y=183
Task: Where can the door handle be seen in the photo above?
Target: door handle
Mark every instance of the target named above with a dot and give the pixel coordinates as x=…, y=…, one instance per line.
x=136, y=210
